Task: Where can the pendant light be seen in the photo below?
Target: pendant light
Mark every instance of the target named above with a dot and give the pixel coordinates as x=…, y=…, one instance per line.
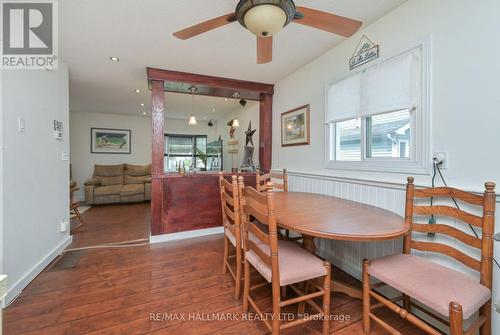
x=192, y=119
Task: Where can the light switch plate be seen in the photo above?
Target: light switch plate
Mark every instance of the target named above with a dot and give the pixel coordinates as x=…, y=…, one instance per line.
x=65, y=156
x=21, y=124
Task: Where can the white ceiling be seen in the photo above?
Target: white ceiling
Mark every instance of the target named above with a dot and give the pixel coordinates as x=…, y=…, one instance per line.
x=180, y=106
x=139, y=32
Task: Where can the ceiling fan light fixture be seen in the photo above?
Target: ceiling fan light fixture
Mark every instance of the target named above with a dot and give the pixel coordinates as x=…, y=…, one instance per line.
x=265, y=18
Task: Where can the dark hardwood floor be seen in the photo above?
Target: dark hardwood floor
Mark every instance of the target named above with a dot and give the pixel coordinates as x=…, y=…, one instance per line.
x=132, y=290
x=112, y=224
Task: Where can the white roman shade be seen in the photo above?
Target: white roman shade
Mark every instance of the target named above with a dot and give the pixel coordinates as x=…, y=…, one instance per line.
x=392, y=85
x=344, y=99
x=388, y=86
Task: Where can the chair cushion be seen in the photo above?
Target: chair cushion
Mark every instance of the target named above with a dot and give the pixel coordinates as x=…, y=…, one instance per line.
x=108, y=170
x=107, y=181
x=101, y=191
x=132, y=189
x=432, y=284
x=295, y=263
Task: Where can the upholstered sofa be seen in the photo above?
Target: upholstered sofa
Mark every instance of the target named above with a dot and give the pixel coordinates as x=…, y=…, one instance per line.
x=118, y=184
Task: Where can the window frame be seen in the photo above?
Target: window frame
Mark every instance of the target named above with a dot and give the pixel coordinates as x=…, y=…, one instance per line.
x=193, y=145
x=420, y=124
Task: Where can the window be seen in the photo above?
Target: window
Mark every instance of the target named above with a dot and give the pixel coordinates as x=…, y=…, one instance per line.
x=189, y=150
x=377, y=118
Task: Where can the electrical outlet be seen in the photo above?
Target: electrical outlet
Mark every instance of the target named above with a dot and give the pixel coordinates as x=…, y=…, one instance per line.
x=64, y=225
x=497, y=307
x=440, y=158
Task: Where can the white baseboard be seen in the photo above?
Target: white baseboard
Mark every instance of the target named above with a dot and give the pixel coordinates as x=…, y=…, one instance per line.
x=19, y=286
x=185, y=234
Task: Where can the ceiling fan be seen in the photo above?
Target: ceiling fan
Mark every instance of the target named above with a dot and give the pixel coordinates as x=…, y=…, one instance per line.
x=264, y=18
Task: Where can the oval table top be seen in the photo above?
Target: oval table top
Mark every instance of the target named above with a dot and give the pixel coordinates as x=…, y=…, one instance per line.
x=334, y=218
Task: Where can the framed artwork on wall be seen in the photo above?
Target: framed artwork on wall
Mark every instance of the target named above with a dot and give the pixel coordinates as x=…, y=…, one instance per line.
x=110, y=141
x=295, y=127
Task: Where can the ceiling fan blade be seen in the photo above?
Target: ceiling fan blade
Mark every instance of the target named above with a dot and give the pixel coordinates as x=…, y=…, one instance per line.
x=203, y=27
x=332, y=23
x=264, y=49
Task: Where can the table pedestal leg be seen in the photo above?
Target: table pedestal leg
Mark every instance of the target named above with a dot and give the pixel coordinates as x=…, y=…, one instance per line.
x=337, y=285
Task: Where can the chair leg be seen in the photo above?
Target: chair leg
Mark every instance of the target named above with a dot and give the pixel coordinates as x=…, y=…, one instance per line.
x=407, y=303
x=326, y=299
x=246, y=286
x=78, y=214
x=366, y=298
x=486, y=311
x=283, y=292
x=226, y=255
x=237, y=286
x=456, y=319
x=275, y=322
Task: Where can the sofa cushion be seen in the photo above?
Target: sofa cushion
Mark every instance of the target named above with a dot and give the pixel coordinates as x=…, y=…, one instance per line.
x=108, y=170
x=432, y=284
x=132, y=189
x=136, y=179
x=107, y=190
x=137, y=170
x=107, y=181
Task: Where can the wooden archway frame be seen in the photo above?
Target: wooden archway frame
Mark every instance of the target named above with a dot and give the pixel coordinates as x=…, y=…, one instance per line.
x=161, y=81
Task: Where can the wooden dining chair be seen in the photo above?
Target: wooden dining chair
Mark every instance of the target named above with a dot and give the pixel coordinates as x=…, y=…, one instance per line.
x=73, y=206
x=436, y=290
x=280, y=182
x=281, y=263
x=232, y=229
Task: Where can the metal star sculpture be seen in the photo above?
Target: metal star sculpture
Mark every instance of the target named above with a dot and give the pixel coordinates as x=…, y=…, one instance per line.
x=249, y=134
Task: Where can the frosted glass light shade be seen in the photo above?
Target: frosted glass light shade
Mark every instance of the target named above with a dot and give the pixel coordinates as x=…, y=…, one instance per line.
x=192, y=121
x=265, y=20
x=236, y=123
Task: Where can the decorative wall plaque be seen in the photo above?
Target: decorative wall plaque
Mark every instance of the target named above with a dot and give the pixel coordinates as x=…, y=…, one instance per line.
x=365, y=52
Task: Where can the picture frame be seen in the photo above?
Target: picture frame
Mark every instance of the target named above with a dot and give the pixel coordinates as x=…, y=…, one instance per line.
x=110, y=141
x=295, y=127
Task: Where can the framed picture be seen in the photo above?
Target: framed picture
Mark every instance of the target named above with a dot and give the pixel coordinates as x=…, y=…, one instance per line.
x=295, y=127
x=110, y=141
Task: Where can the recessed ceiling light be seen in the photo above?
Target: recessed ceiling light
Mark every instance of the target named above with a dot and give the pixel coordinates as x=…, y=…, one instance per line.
x=213, y=109
x=226, y=99
x=143, y=113
x=137, y=90
x=142, y=105
x=114, y=59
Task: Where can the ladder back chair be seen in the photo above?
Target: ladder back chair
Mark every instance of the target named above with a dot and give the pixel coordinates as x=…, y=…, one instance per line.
x=281, y=263
x=436, y=290
x=280, y=182
x=231, y=217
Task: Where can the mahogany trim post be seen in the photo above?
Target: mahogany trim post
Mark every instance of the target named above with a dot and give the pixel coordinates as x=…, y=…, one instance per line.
x=157, y=156
x=265, y=132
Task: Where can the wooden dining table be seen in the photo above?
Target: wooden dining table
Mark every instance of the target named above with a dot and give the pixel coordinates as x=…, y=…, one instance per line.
x=321, y=216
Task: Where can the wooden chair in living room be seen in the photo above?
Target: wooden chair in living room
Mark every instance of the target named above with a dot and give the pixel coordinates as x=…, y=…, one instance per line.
x=232, y=229
x=439, y=289
x=281, y=263
x=73, y=206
